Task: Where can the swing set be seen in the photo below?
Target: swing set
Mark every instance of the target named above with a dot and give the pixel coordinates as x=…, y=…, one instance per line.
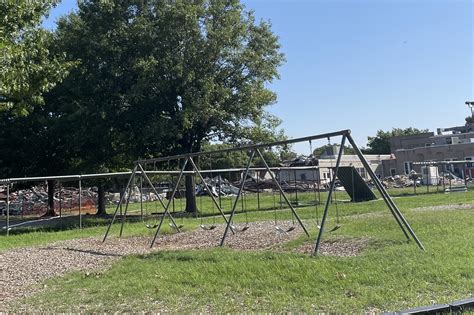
x=188, y=167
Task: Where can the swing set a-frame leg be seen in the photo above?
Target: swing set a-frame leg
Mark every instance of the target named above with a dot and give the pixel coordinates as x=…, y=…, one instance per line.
x=206, y=186
x=166, y=208
x=388, y=200
x=293, y=211
x=234, y=206
x=328, y=200
x=120, y=203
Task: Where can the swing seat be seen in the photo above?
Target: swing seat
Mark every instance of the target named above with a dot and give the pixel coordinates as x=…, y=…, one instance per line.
x=174, y=227
x=245, y=228
x=281, y=230
x=151, y=227
x=337, y=227
x=207, y=227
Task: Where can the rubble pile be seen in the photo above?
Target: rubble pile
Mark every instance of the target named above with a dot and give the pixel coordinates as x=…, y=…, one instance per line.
x=401, y=181
x=147, y=195
x=451, y=179
x=252, y=184
x=398, y=181
x=217, y=185
x=34, y=200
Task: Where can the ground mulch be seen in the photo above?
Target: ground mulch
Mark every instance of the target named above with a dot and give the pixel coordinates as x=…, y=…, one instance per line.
x=337, y=247
x=22, y=270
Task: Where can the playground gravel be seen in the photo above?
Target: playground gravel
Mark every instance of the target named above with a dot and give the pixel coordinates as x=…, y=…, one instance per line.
x=23, y=270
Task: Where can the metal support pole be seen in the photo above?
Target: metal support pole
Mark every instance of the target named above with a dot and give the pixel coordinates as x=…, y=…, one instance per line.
x=165, y=207
x=234, y=206
x=119, y=203
x=394, y=209
x=385, y=196
x=296, y=188
x=247, y=147
x=8, y=209
x=60, y=200
x=428, y=169
x=219, y=183
x=319, y=187
x=168, y=204
x=80, y=204
x=464, y=174
x=328, y=200
x=282, y=193
x=196, y=169
x=444, y=178
x=151, y=185
x=130, y=189
x=141, y=196
x=258, y=191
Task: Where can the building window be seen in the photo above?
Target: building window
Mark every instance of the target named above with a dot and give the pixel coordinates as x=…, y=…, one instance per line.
x=469, y=158
x=408, y=166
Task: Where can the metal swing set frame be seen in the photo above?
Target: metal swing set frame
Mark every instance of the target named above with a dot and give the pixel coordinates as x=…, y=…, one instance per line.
x=254, y=150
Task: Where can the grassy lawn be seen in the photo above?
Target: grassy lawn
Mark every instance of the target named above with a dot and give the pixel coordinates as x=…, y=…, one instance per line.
x=389, y=274
x=94, y=226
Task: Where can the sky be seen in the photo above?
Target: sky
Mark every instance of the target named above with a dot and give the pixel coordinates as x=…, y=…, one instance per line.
x=366, y=65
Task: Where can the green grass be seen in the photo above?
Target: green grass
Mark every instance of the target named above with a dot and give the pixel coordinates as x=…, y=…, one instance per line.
x=96, y=226
x=389, y=275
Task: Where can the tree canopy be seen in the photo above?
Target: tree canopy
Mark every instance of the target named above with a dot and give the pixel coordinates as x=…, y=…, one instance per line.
x=148, y=78
x=380, y=144
x=27, y=68
x=160, y=77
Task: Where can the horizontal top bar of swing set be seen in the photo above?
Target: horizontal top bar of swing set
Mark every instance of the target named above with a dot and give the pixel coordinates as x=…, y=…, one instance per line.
x=66, y=178
x=246, y=147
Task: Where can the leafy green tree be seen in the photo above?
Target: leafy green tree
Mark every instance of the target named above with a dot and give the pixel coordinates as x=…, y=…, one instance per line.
x=380, y=144
x=320, y=150
x=162, y=77
x=27, y=68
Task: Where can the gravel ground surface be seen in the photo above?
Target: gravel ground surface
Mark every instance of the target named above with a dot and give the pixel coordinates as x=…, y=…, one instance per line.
x=23, y=269
x=340, y=248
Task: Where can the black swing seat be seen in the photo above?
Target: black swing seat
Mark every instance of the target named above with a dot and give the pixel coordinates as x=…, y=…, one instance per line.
x=207, y=227
x=174, y=227
x=151, y=227
x=245, y=228
x=337, y=227
x=281, y=230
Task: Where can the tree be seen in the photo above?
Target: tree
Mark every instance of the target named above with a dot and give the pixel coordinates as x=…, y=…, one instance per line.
x=162, y=77
x=320, y=150
x=28, y=69
x=380, y=144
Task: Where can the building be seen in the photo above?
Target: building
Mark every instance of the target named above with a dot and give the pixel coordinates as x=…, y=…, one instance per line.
x=327, y=161
x=450, y=144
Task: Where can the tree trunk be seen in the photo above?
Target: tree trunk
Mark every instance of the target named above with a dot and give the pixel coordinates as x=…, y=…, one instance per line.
x=191, y=205
x=100, y=199
x=50, y=211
